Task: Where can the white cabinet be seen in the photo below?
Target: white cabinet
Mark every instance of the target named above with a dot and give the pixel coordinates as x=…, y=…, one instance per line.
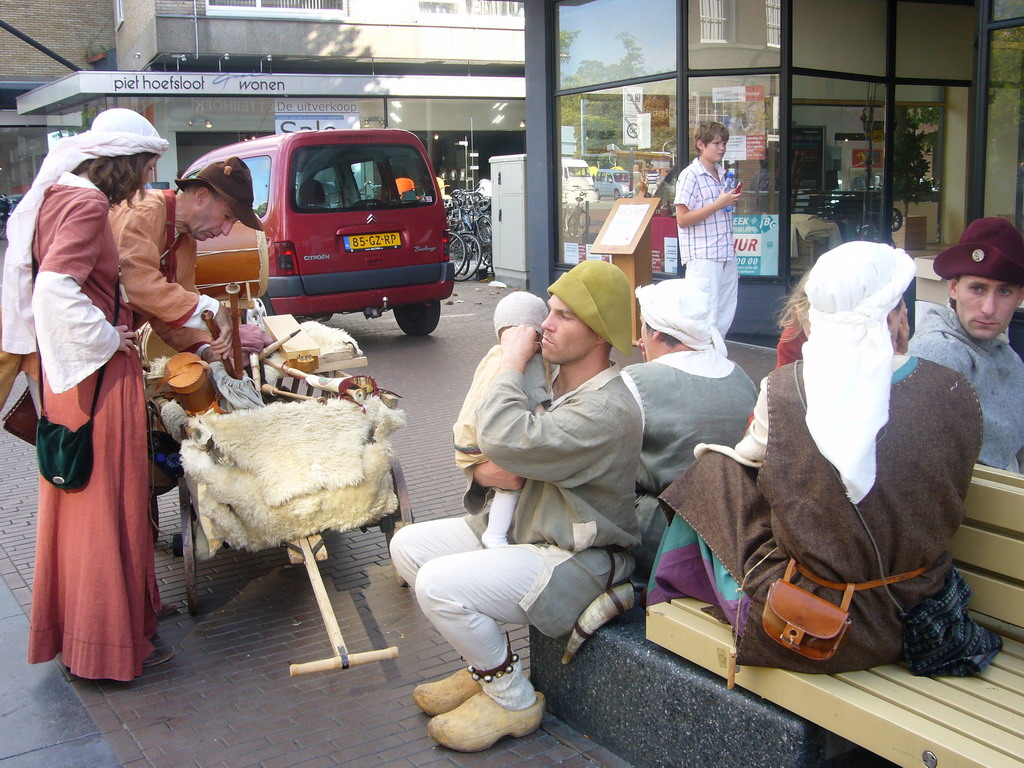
x=508, y=219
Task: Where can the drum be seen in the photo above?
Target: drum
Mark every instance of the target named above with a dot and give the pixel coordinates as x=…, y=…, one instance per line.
x=238, y=260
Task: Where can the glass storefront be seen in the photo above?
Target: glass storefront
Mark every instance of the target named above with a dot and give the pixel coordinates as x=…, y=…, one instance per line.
x=733, y=34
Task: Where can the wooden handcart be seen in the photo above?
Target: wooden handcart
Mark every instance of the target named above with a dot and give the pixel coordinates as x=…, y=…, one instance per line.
x=307, y=550
x=293, y=395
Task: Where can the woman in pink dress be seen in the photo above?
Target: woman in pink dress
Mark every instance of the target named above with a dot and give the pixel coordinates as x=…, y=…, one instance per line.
x=94, y=596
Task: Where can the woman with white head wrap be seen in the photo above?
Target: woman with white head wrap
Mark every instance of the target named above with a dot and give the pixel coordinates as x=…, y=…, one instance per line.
x=856, y=421
x=94, y=598
x=688, y=393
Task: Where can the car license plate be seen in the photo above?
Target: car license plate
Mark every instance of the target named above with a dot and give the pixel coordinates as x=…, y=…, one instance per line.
x=373, y=242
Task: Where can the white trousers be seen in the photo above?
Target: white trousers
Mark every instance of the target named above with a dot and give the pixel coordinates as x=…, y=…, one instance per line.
x=723, y=282
x=464, y=589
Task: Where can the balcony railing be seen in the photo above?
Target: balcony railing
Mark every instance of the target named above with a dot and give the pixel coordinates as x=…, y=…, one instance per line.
x=302, y=6
x=427, y=9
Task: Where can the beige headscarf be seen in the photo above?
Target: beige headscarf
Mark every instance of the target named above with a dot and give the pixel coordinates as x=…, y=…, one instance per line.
x=680, y=308
x=848, y=357
x=114, y=133
x=519, y=308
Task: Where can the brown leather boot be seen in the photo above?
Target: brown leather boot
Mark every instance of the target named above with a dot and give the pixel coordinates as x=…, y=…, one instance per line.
x=445, y=695
x=481, y=721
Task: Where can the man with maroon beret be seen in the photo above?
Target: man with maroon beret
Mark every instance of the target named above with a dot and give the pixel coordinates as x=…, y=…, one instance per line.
x=986, y=285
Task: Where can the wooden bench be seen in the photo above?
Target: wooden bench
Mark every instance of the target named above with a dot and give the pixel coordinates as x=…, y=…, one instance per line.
x=912, y=721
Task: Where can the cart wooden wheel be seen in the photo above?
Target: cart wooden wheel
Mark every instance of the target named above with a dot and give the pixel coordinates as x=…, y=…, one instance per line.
x=400, y=516
x=188, y=547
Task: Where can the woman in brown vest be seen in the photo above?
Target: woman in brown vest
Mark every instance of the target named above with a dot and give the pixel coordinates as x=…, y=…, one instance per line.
x=855, y=467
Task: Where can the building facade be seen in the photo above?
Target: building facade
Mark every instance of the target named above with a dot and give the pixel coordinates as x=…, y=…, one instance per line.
x=887, y=120
x=213, y=72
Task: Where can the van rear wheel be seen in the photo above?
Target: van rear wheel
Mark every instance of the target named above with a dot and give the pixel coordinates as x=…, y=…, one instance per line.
x=418, y=319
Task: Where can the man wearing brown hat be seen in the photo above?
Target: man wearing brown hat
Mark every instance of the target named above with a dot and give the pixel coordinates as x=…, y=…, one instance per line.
x=573, y=525
x=986, y=285
x=157, y=235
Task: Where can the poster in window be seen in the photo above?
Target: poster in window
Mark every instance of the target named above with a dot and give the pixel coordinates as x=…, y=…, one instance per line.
x=807, y=142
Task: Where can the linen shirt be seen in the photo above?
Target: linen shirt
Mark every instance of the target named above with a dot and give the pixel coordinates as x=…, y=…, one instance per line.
x=166, y=304
x=710, y=239
x=580, y=460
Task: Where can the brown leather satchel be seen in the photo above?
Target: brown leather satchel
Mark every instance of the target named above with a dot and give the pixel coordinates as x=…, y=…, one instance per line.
x=809, y=625
x=805, y=623
x=21, y=420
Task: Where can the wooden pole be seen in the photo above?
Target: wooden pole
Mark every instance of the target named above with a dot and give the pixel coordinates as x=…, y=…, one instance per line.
x=238, y=364
x=342, y=659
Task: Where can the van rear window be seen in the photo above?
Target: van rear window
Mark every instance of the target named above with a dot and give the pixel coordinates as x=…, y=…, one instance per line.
x=353, y=177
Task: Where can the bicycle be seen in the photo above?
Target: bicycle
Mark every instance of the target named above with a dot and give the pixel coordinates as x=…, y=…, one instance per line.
x=469, y=225
x=464, y=251
x=576, y=218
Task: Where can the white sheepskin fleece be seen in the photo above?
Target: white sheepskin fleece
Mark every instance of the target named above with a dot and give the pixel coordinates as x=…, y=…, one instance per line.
x=292, y=469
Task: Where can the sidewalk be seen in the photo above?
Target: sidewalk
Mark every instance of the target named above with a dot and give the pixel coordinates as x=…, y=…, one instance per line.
x=226, y=698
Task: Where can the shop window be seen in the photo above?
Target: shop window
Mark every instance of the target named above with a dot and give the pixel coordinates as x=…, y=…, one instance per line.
x=1007, y=9
x=1004, y=156
x=920, y=163
x=837, y=166
x=726, y=34
x=747, y=106
x=840, y=36
x=603, y=41
x=617, y=142
x=935, y=40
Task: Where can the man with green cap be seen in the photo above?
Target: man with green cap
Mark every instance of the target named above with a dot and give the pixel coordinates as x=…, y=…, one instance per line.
x=573, y=525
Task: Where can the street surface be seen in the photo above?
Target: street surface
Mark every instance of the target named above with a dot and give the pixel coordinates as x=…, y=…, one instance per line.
x=226, y=698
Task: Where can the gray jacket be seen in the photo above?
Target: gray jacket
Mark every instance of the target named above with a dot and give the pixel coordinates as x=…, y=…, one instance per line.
x=994, y=370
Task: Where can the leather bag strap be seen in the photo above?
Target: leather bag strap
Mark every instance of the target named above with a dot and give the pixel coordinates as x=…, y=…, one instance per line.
x=858, y=587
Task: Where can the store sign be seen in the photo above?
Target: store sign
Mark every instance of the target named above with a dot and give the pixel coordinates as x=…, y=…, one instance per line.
x=756, y=244
x=166, y=83
x=293, y=115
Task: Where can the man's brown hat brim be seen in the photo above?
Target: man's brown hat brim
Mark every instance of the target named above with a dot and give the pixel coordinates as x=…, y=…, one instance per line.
x=231, y=180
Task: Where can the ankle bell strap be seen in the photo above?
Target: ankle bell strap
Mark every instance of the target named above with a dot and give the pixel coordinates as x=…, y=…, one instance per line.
x=488, y=675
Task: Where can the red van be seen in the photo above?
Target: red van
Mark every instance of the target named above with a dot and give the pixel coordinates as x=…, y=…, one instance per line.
x=354, y=223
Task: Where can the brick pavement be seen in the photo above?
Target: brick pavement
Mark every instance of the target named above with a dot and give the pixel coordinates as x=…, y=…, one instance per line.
x=226, y=698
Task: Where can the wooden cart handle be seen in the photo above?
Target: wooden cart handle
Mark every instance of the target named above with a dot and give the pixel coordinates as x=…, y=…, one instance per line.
x=354, y=659
x=232, y=290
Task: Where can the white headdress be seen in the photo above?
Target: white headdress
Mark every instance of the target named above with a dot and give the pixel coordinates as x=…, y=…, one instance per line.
x=680, y=309
x=848, y=356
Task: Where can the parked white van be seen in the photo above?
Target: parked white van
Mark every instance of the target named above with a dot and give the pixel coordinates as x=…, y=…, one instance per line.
x=576, y=179
x=612, y=183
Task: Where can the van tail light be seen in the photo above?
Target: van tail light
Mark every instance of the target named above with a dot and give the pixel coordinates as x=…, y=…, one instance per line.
x=284, y=255
x=444, y=244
